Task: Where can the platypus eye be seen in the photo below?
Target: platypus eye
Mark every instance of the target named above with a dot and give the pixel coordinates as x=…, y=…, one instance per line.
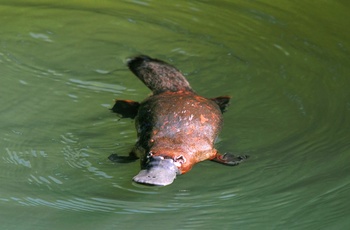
x=149, y=154
x=148, y=157
x=180, y=159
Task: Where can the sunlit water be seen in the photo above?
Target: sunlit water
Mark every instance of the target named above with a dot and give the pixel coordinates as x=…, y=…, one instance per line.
x=286, y=65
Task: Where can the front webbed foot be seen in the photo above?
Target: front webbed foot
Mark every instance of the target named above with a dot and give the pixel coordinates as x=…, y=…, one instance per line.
x=122, y=159
x=230, y=159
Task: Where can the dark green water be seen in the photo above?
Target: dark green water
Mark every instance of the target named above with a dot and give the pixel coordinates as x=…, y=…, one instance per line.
x=285, y=63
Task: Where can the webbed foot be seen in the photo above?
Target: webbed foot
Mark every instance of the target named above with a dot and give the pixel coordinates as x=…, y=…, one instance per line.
x=126, y=108
x=230, y=159
x=122, y=159
x=222, y=102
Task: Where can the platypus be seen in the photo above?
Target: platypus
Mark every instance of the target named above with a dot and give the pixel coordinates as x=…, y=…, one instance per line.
x=176, y=127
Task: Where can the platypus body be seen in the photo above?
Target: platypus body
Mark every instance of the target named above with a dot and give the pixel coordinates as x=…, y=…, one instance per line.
x=176, y=127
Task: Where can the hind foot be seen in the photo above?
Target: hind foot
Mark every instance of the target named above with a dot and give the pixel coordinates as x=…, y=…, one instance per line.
x=230, y=159
x=222, y=102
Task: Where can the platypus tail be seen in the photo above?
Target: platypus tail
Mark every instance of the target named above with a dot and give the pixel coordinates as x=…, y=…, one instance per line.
x=158, y=75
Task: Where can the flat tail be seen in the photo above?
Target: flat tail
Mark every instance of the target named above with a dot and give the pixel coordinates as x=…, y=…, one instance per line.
x=158, y=75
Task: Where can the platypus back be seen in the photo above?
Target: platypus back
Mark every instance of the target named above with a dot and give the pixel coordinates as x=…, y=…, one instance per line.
x=157, y=75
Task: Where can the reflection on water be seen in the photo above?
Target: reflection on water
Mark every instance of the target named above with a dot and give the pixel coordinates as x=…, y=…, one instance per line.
x=285, y=64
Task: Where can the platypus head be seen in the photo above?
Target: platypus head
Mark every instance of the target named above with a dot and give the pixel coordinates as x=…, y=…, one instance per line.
x=158, y=171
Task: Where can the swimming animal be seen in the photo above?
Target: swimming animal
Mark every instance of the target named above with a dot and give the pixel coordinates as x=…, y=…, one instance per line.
x=176, y=127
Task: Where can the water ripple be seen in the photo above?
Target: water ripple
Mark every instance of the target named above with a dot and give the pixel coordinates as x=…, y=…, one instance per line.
x=97, y=86
x=77, y=156
x=16, y=159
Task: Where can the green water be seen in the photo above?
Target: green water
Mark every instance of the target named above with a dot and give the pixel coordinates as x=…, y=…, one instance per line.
x=285, y=63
